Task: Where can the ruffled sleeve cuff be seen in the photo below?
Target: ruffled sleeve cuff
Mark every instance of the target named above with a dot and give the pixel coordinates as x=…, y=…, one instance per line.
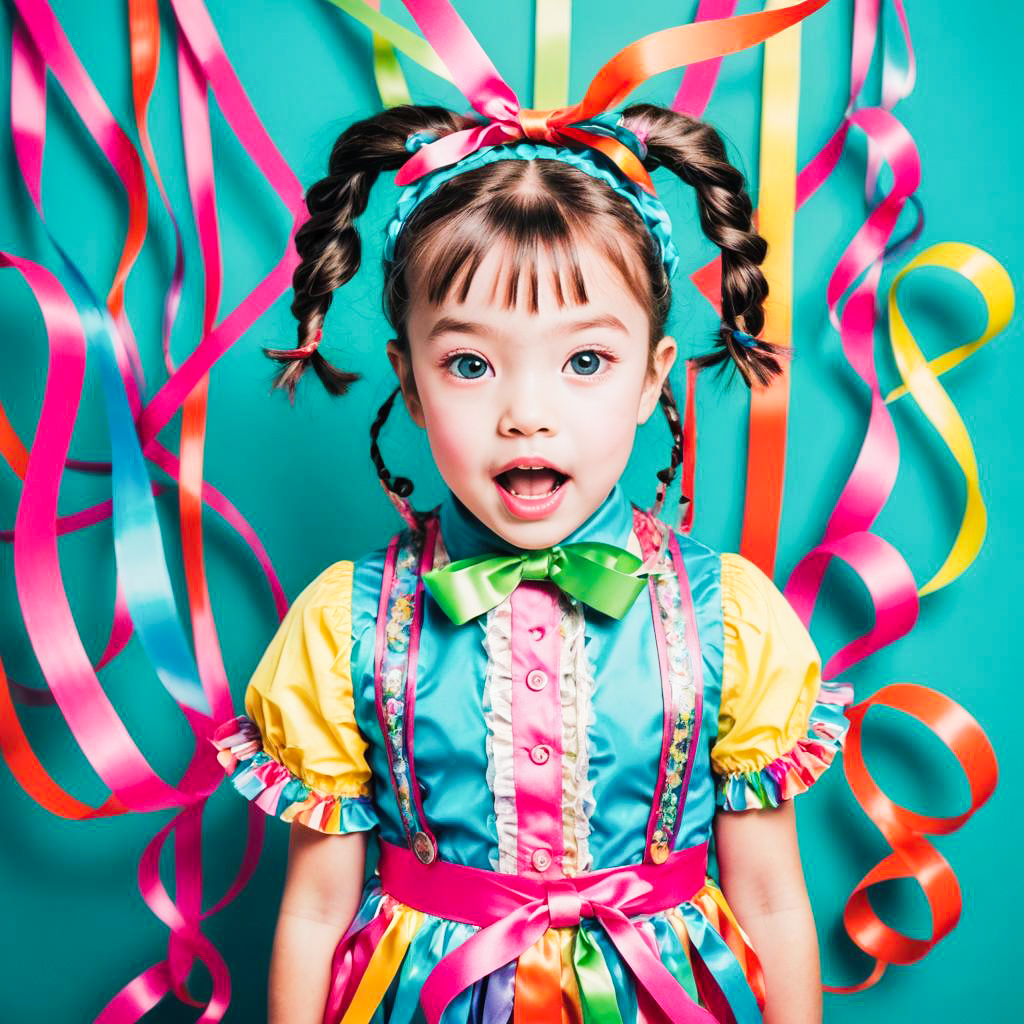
x=797, y=769
x=260, y=778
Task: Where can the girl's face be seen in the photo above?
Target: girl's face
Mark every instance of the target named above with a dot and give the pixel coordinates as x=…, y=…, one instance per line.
x=531, y=417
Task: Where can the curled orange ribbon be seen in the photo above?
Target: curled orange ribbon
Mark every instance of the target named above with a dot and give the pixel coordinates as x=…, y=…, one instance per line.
x=913, y=856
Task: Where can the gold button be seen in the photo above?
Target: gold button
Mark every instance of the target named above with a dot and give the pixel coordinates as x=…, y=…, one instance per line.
x=659, y=852
x=424, y=848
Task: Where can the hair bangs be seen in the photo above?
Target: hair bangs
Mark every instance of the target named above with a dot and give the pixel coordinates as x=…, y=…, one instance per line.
x=532, y=212
x=453, y=253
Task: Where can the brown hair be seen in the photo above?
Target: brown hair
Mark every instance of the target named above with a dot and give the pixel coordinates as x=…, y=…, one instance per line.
x=525, y=205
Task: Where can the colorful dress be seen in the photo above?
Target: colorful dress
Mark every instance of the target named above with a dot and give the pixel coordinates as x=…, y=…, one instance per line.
x=511, y=762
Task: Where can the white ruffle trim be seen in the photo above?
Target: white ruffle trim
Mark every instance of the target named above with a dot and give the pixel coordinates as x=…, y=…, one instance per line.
x=576, y=688
x=576, y=692
x=497, y=705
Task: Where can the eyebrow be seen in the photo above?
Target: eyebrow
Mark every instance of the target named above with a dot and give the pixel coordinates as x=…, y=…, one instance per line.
x=602, y=320
x=449, y=325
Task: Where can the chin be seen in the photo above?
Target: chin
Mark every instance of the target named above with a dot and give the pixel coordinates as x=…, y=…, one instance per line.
x=532, y=536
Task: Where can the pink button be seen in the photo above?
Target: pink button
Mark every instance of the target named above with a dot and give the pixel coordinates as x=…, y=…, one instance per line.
x=540, y=754
x=536, y=679
x=541, y=859
x=537, y=633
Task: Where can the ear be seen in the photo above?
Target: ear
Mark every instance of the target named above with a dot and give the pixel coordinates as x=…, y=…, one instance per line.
x=661, y=362
x=401, y=363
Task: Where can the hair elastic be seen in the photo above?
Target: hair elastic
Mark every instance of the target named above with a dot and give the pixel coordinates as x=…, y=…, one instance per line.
x=746, y=340
x=302, y=352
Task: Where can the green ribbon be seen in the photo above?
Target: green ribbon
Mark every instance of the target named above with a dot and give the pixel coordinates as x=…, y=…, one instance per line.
x=551, y=29
x=415, y=47
x=600, y=575
x=596, y=988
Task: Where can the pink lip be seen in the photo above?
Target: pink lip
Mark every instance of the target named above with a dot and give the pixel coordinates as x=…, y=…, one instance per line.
x=531, y=508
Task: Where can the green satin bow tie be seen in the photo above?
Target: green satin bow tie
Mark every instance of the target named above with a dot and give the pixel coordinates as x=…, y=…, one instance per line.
x=600, y=575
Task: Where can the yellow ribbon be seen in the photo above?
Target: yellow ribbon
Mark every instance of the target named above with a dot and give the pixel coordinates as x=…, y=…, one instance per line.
x=552, y=27
x=769, y=407
x=383, y=965
x=920, y=379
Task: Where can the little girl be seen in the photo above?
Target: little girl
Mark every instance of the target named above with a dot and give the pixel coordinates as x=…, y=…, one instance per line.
x=576, y=729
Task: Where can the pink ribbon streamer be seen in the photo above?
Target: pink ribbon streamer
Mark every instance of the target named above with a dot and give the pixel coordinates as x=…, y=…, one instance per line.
x=699, y=80
x=93, y=721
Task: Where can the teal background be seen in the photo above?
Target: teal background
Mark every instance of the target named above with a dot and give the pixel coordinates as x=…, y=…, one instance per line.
x=74, y=927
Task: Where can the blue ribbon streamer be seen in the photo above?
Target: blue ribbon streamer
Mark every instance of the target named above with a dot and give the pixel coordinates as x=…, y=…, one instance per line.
x=723, y=965
x=138, y=543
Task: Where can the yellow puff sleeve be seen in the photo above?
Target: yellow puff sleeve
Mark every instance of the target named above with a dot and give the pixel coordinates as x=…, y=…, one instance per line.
x=779, y=726
x=297, y=751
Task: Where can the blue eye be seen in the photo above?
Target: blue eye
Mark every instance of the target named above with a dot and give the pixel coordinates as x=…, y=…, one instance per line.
x=468, y=366
x=585, y=363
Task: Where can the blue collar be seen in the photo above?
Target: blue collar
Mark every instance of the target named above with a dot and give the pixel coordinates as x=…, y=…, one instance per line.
x=465, y=536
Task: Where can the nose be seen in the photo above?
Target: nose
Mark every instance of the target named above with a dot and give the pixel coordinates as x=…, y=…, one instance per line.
x=527, y=412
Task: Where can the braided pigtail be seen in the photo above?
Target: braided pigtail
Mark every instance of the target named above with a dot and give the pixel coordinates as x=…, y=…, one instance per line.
x=400, y=485
x=397, y=488
x=328, y=243
x=667, y=401
x=695, y=152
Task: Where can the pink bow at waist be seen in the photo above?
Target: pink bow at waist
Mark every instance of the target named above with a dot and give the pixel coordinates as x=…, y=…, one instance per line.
x=514, y=911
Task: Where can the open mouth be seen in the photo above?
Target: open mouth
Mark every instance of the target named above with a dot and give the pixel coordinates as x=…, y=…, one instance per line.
x=531, y=482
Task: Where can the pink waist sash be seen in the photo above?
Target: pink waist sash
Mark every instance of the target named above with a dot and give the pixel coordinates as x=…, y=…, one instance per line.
x=513, y=911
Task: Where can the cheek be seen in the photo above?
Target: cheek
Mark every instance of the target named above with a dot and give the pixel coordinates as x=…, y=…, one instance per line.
x=610, y=438
x=454, y=423
x=608, y=415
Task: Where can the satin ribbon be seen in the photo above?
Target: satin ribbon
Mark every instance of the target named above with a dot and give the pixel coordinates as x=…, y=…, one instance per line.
x=512, y=912
x=144, y=51
x=920, y=379
x=600, y=575
x=880, y=566
x=769, y=407
x=597, y=990
x=505, y=120
x=116, y=759
x=913, y=857
x=848, y=536
x=387, y=957
x=367, y=13
x=387, y=73
x=206, y=357
x=765, y=474
x=552, y=31
x=538, y=991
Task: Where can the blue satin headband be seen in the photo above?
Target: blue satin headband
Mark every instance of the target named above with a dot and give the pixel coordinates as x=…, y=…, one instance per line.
x=650, y=209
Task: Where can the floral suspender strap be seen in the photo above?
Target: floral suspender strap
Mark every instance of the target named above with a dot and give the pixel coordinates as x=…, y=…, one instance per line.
x=682, y=681
x=399, y=619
